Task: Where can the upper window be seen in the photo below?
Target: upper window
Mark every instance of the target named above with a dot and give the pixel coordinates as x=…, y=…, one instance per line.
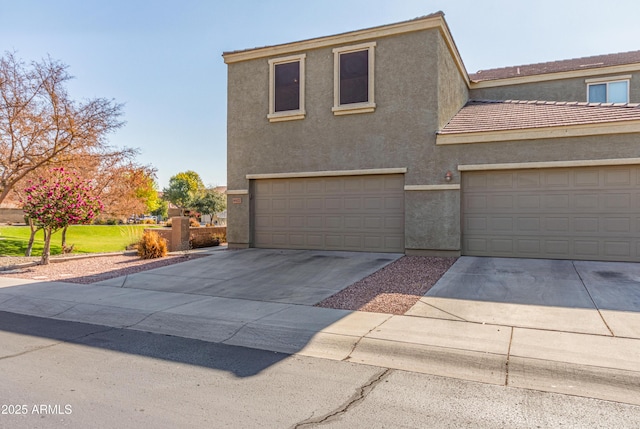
x=613, y=91
x=286, y=88
x=353, y=89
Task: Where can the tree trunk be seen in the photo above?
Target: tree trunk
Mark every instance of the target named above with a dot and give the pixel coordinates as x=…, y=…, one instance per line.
x=64, y=237
x=47, y=246
x=32, y=237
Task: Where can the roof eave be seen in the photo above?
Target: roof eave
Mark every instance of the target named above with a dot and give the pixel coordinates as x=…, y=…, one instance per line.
x=519, y=80
x=540, y=133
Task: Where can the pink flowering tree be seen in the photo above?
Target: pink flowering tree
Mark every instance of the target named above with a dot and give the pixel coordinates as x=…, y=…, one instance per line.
x=55, y=202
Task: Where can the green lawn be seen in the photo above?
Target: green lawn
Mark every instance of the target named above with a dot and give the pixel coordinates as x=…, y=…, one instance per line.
x=85, y=238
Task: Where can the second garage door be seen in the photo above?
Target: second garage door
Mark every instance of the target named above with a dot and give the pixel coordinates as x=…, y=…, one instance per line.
x=590, y=213
x=355, y=213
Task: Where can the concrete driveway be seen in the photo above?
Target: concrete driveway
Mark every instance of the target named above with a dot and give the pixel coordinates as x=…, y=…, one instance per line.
x=576, y=296
x=285, y=276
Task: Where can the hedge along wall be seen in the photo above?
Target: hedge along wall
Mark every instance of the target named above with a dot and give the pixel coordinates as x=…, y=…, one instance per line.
x=204, y=235
x=198, y=237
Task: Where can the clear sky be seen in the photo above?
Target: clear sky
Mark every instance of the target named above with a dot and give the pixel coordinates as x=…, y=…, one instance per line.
x=162, y=58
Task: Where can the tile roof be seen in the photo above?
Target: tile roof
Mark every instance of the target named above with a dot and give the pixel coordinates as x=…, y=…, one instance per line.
x=489, y=115
x=574, y=64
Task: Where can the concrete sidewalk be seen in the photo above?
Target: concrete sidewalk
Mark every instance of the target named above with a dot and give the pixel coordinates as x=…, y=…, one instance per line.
x=584, y=362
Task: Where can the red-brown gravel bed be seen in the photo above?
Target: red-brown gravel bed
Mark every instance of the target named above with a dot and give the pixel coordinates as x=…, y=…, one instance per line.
x=394, y=289
x=94, y=269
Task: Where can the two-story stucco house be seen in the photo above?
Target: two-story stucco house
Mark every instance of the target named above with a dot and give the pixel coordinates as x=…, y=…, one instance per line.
x=379, y=140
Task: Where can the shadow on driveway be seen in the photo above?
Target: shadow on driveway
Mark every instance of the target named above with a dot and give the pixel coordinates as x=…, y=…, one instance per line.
x=253, y=298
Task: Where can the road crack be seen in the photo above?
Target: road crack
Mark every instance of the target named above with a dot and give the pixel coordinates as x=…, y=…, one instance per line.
x=359, y=396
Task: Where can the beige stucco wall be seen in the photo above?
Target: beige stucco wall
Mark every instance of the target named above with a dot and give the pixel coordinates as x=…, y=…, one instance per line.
x=574, y=89
x=561, y=149
x=399, y=133
x=432, y=218
x=418, y=88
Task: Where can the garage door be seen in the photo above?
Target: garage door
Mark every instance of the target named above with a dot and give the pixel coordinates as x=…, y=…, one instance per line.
x=359, y=213
x=562, y=213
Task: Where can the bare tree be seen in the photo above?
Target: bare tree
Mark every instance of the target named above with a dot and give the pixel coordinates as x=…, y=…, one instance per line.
x=40, y=125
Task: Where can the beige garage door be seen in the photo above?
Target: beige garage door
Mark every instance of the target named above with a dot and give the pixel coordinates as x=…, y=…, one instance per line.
x=562, y=213
x=360, y=213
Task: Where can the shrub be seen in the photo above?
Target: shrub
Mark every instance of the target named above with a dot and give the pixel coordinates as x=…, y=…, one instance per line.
x=194, y=223
x=168, y=223
x=152, y=246
x=221, y=234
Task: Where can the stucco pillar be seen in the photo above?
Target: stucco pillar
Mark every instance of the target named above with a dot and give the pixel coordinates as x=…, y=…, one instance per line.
x=179, y=233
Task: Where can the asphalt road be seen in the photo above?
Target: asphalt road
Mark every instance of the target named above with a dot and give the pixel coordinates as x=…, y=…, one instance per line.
x=65, y=374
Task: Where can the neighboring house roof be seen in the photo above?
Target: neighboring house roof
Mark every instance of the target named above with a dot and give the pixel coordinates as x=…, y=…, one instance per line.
x=489, y=115
x=575, y=64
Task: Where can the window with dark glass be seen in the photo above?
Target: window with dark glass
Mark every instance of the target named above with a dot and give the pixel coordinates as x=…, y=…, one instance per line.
x=354, y=77
x=287, y=86
x=609, y=92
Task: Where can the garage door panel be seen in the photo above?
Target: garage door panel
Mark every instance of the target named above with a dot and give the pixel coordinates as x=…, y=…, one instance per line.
x=529, y=179
x=290, y=188
x=557, y=225
x=557, y=247
x=364, y=213
x=617, y=177
x=586, y=225
x=528, y=201
x=528, y=224
x=316, y=222
x=617, y=201
x=394, y=223
x=587, y=248
x=279, y=205
x=394, y=203
x=476, y=202
x=373, y=203
x=556, y=179
x=617, y=248
x=279, y=188
x=529, y=245
x=504, y=180
x=554, y=202
x=333, y=240
x=590, y=178
x=617, y=225
x=296, y=239
x=501, y=245
x=296, y=204
x=351, y=203
x=586, y=202
x=501, y=201
x=291, y=221
x=333, y=222
x=502, y=223
x=573, y=213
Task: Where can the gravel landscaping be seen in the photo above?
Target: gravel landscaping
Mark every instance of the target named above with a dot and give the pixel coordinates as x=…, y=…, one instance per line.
x=85, y=270
x=392, y=290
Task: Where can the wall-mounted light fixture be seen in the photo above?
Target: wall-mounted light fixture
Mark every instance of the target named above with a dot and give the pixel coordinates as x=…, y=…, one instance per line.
x=448, y=176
